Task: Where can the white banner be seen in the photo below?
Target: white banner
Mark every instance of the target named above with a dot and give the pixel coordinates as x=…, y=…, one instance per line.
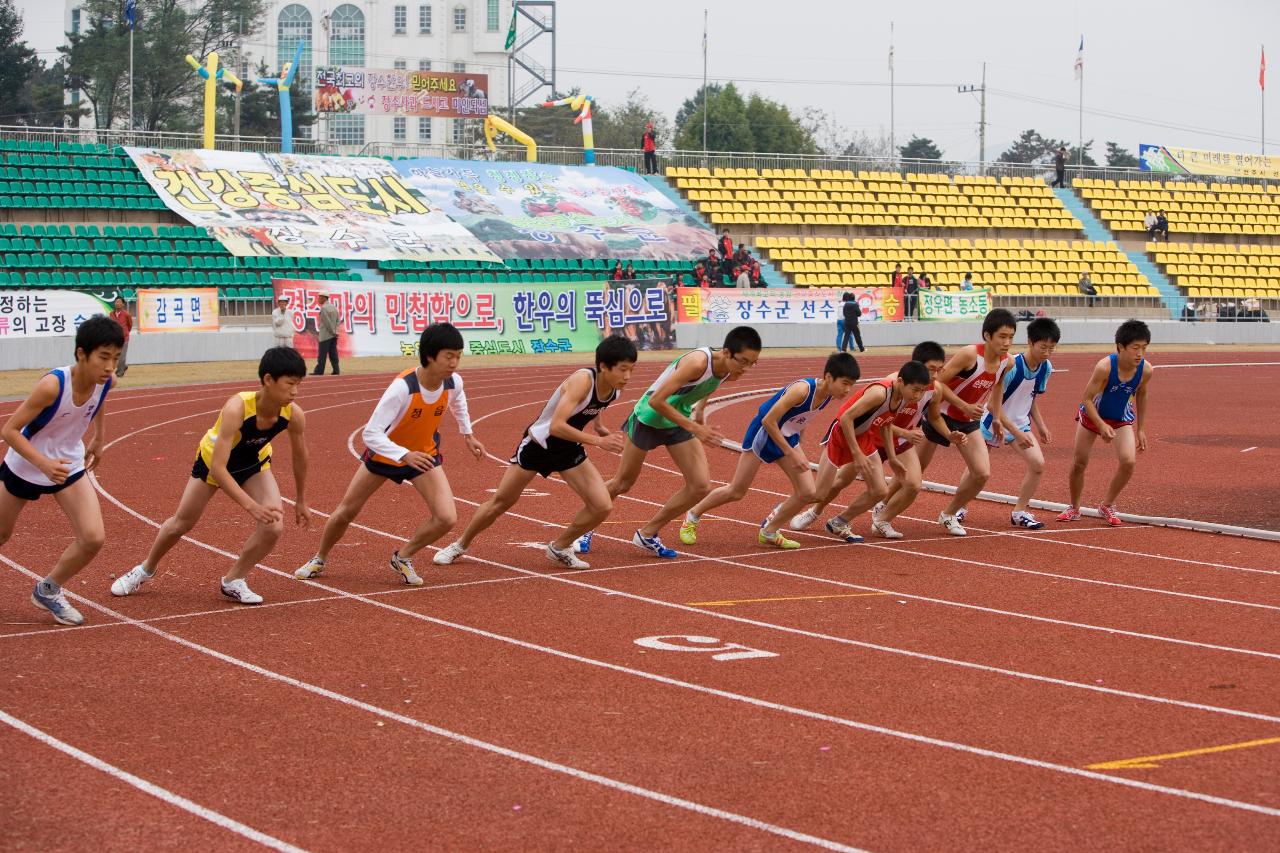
x=46, y=313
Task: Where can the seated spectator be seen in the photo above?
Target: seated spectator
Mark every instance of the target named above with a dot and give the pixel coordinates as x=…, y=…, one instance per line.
x=712, y=261
x=756, y=281
x=924, y=281
x=1162, y=226
x=617, y=271
x=742, y=278
x=742, y=256
x=630, y=272
x=967, y=283
x=1149, y=223
x=1189, y=313
x=1227, y=312
x=1087, y=288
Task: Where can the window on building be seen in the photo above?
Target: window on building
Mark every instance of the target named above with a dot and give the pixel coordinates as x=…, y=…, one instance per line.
x=459, y=68
x=345, y=129
x=399, y=65
x=424, y=64
x=346, y=37
x=424, y=129
x=293, y=26
x=398, y=132
x=459, y=130
x=491, y=16
x=459, y=19
x=75, y=20
x=401, y=17
x=424, y=20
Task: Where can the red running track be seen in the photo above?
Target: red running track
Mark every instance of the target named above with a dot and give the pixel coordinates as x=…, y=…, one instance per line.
x=931, y=693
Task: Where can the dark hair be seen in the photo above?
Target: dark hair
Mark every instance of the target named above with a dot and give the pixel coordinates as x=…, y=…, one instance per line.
x=927, y=351
x=914, y=373
x=1132, y=330
x=742, y=338
x=279, y=362
x=842, y=365
x=997, y=319
x=436, y=337
x=615, y=349
x=847, y=297
x=1043, y=329
x=97, y=332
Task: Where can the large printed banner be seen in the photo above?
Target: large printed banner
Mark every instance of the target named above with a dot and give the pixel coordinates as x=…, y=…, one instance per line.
x=46, y=313
x=379, y=318
x=394, y=92
x=1194, y=161
x=530, y=210
x=191, y=309
x=786, y=305
x=954, y=304
x=305, y=206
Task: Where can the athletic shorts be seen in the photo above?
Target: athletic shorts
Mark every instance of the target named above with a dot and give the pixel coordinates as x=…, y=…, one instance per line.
x=557, y=456
x=965, y=427
x=649, y=438
x=1087, y=422
x=395, y=473
x=24, y=490
x=757, y=441
x=990, y=437
x=200, y=471
x=838, y=451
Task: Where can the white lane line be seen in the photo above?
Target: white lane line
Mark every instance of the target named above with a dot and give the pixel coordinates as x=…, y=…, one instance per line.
x=1248, y=449
x=523, y=757
x=164, y=794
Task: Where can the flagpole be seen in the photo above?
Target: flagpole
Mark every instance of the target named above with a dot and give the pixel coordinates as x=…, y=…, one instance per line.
x=706, y=97
x=1080, y=119
x=131, y=78
x=893, y=143
x=1262, y=95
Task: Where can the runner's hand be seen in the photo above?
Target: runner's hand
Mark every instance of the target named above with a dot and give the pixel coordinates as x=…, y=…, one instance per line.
x=708, y=434
x=958, y=437
x=1046, y=437
x=1108, y=433
x=972, y=411
x=899, y=470
x=418, y=461
x=264, y=514
x=914, y=437
x=476, y=448
x=612, y=443
x=1142, y=440
x=93, y=454
x=1024, y=439
x=302, y=514
x=57, y=470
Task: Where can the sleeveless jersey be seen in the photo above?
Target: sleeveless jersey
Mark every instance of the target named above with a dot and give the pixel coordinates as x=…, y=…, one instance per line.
x=252, y=445
x=1115, y=403
x=910, y=416
x=584, y=413
x=872, y=420
x=408, y=417
x=58, y=431
x=795, y=419
x=1021, y=387
x=974, y=384
x=685, y=397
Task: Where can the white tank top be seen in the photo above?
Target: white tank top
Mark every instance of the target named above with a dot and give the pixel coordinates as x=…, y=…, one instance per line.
x=58, y=431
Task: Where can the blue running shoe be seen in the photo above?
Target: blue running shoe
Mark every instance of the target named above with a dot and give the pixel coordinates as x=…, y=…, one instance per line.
x=582, y=545
x=654, y=546
x=57, y=604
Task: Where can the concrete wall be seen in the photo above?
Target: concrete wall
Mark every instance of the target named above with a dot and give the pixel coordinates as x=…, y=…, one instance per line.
x=229, y=343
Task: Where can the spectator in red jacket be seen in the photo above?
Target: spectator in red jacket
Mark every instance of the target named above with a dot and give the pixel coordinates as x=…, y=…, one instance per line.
x=726, y=245
x=755, y=273
x=649, y=142
x=617, y=271
x=122, y=316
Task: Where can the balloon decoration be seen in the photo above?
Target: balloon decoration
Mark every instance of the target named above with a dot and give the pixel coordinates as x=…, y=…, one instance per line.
x=212, y=74
x=493, y=125
x=581, y=103
x=282, y=84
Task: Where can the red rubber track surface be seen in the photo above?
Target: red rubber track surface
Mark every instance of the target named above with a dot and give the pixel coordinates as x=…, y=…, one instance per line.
x=932, y=693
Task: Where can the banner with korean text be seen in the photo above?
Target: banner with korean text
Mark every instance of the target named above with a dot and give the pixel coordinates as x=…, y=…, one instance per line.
x=531, y=210
x=785, y=305
x=381, y=318
x=397, y=92
x=298, y=205
x=192, y=309
x=954, y=304
x=47, y=313
x=1194, y=161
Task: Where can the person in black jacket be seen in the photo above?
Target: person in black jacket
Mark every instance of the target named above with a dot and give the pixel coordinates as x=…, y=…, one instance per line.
x=1060, y=167
x=851, y=313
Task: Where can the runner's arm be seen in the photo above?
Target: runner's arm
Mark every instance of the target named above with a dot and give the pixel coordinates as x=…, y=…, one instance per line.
x=301, y=460
x=868, y=402
x=231, y=419
x=573, y=392
x=687, y=371
x=392, y=406
x=792, y=397
x=44, y=395
x=1139, y=426
x=1097, y=382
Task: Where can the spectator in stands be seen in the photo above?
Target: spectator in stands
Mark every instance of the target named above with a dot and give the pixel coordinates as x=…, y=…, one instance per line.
x=896, y=280
x=282, y=323
x=630, y=272
x=617, y=271
x=1060, y=167
x=742, y=256
x=741, y=278
x=1189, y=313
x=649, y=142
x=851, y=312
x=727, y=265
x=1149, y=224
x=326, y=335
x=1253, y=311
x=1227, y=312
x=122, y=316
x=910, y=291
x=1162, y=226
x=967, y=283
x=924, y=281
x=756, y=280
x=1087, y=288
x=726, y=245
x=713, y=267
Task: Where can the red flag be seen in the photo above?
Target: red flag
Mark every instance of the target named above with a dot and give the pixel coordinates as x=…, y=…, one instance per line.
x=1262, y=70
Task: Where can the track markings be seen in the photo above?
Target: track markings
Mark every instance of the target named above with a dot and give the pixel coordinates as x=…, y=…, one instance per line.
x=1148, y=762
x=731, y=603
x=1248, y=449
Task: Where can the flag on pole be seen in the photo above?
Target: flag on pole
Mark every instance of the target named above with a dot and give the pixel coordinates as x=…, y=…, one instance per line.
x=511, y=30
x=1080, y=59
x=1262, y=70
x=130, y=13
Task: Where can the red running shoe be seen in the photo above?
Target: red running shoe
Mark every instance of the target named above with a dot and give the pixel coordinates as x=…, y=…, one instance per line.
x=1108, y=513
x=1070, y=514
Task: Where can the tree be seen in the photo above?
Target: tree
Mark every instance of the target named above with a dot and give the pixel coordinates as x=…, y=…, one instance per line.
x=728, y=128
x=97, y=63
x=1030, y=147
x=260, y=107
x=41, y=104
x=920, y=148
x=775, y=130
x=18, y=61
x=622, y=126
x=1117, y=156
x=1073, y=154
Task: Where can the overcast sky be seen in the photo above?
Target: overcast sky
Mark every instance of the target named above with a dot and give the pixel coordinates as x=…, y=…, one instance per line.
x=1171, y=73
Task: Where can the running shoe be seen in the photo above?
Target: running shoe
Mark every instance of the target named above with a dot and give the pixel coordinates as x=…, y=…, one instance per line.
x=653, y=545
x=689, y=531
x=839, y=528
x=1070, y=514
x=777, y=540
x=403, y=566
x=1108, y=513
x=312, y=568
x=876, y=510
x=582, y=545
x=1025, y=520
x=951, y=524
x=448, y=554
x=57, y=604
x=566, y=558
x=128, y=583
x=804, y=520
x=884, y=530
x=238, y=591
x=961, y=514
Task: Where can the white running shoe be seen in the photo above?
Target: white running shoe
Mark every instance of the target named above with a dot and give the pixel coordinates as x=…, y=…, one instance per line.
x=403, y=566
x=951, y=524
x=582, y=545
x=805, y=519
x=448, y=554
x=566, y=558
x=313, y=568
x=876, y=510
x=239, y=591
x=57, y=605
x=1025, y=520
x=884, y=530
x=128, y=583
x=961, y=514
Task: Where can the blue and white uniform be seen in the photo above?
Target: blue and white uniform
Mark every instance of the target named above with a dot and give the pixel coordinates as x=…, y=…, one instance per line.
x=791, y=424
x=58, y=433
x=1021, y=387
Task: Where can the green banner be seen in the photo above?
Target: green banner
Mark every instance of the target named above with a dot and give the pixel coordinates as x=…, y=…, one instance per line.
x=954, y=304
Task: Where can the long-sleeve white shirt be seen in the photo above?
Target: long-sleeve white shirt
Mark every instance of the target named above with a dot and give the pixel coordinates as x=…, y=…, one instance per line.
x=394, y=405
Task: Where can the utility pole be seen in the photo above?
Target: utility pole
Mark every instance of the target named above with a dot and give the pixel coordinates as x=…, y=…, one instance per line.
x=982, y=118
x=706, y=98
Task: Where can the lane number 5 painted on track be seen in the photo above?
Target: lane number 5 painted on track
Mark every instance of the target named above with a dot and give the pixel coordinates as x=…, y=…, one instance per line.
x=718, y=649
